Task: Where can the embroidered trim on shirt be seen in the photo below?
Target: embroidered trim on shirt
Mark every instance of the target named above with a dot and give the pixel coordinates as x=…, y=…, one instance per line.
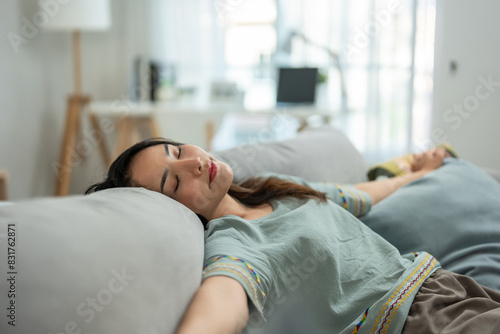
x=343, y=196
x=361, y=322
x=234, y=269
x=356, y=200
x=359, y=201
x=405, y=289
x=245, y=263
x=236, y=259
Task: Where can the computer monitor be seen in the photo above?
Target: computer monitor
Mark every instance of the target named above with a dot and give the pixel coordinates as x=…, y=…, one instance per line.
x=296, y=85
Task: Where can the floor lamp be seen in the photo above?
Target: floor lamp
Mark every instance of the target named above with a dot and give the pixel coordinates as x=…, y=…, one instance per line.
x=75, y=16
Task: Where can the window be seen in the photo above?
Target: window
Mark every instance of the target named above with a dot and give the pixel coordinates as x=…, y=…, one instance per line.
x=386, y=49
x=250, y=34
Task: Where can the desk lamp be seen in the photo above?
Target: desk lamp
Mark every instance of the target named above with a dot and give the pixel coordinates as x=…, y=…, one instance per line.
x=287, y=47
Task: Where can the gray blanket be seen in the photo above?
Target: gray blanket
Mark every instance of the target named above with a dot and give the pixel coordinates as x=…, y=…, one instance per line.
x=452, y=213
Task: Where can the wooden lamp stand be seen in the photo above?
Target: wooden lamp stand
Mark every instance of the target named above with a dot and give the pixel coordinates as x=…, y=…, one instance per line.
x=76, y=103
x=79, y=15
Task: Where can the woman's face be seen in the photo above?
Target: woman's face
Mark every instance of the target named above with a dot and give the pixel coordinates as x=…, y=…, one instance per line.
x=185, y=173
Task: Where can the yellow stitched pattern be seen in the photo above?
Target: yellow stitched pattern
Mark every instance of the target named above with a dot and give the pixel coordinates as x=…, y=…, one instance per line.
x=358, y=200
x=409, y=292
x=249, y=283
x=356, y=213
x=342, y=195
x=404, y=285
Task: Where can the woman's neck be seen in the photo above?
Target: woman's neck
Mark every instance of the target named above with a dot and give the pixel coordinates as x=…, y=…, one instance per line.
x=230, y=206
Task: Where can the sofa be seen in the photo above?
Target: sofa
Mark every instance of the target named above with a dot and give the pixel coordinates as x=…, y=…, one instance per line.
x=129, y=260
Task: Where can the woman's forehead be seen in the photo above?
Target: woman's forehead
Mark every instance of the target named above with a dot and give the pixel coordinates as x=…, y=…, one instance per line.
x=147, y=160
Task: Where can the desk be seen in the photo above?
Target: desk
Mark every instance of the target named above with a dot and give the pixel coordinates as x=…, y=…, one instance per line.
x=127, y=117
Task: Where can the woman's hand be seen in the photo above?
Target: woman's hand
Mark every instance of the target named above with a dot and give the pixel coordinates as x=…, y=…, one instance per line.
x=429, y=160
x=219, y=306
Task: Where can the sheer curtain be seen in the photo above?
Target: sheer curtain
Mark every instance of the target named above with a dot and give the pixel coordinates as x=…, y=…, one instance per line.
x=188, y=35
x=386, y=49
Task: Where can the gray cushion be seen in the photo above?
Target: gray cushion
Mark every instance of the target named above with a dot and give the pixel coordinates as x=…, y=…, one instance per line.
x=136, y=254
x=452, y=213
x=316, y=154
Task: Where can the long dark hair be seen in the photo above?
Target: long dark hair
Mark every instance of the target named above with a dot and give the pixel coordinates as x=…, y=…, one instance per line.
x=252, y=192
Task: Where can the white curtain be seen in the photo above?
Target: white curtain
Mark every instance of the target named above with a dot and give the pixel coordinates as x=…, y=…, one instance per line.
x=187, y=35
x=385, y=46
x=386, y=49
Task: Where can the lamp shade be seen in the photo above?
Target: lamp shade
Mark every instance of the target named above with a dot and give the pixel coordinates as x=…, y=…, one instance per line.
x=76, y=14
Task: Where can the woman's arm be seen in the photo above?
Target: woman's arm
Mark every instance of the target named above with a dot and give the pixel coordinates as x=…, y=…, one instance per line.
x=378, y=190
x=219, y=306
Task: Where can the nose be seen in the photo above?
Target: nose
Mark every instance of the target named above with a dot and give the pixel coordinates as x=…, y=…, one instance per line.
x=192, y=166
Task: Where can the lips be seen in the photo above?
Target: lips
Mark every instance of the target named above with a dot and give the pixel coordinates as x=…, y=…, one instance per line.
x=212, y=171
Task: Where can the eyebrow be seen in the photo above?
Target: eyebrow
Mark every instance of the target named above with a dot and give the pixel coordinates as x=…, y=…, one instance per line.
x=165, y=173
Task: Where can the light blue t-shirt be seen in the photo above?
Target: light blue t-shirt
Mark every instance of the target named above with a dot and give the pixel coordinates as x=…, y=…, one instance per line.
x=321, y=258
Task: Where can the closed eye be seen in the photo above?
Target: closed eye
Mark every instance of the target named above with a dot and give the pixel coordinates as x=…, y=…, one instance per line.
x=176, y=177
x=177, y=184
x=179, y=150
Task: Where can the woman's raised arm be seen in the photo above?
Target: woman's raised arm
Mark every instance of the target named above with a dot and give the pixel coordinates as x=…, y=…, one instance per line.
x=219, y=306
x=378, y=190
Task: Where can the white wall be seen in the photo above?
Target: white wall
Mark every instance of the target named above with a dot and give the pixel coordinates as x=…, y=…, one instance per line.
x=466, y=110
x=36, y=80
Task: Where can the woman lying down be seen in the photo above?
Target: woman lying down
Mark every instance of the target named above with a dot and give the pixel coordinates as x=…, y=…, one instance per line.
x=277, y=242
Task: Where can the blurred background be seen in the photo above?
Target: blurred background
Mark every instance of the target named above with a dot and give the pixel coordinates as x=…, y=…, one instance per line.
x=394, y=76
